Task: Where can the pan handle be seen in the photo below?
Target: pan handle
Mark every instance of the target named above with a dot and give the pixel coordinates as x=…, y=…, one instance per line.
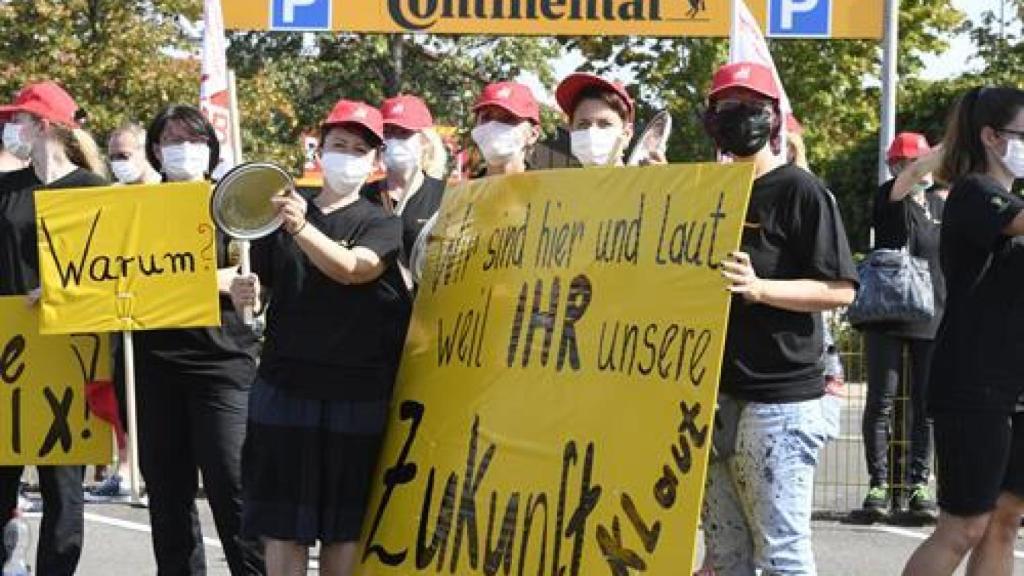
x=246, y=266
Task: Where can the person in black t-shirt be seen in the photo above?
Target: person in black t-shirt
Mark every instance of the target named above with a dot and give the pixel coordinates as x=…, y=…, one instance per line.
x=906, y=219
x=407, y=189
x=794, y=263
x=337, y=316
x=193, y=389
x=42, y=125
x=976, y=375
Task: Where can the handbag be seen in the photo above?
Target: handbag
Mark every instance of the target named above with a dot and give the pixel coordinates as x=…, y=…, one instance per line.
x=895, y=286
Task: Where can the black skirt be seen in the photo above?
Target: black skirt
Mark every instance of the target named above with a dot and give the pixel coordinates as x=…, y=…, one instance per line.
x=308, y=465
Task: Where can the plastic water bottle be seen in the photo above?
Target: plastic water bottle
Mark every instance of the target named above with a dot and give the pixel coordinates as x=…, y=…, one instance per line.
x=16, y=544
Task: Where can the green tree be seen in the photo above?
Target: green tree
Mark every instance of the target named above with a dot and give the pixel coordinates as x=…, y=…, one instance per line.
x=316, y=70
x=116, y=58
x=832, y=84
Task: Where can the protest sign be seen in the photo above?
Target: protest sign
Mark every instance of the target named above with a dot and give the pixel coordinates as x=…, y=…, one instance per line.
x=44, y=418
x=554, y=404
x=127, y=258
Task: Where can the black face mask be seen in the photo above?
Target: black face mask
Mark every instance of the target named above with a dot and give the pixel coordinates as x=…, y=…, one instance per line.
x=741, y=131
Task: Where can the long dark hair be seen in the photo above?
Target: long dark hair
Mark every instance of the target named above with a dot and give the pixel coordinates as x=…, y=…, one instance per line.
x=194, y=120
x=963, y=150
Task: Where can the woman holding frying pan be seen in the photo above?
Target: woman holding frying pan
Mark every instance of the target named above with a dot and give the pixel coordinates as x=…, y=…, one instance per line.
x=338, y=310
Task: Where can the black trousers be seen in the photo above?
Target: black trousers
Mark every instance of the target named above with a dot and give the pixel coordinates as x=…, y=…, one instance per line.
x=61, y=531
x=192, y=423
x=885, y=369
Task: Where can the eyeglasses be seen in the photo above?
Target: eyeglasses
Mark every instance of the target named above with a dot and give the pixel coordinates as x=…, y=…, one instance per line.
x=729, y=104
x=1018, y=133
x=175, y=140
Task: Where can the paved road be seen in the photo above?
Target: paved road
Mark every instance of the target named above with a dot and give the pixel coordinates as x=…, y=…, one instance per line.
x=117, y=544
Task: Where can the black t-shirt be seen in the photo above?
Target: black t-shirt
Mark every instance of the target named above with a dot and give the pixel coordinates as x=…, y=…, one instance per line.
x=19, y=252
x=330, y=340
x=792, y=231
x=980, y=343
x=423, y=204
x=890, y=220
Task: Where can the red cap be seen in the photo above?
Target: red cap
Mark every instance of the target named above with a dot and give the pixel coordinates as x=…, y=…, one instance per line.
x=750, y=75
x=46, y=100
x=351, y=112
x=569, y=90
x=407, y=112
x=907, y=145
x=793, y=126
x=513, y=97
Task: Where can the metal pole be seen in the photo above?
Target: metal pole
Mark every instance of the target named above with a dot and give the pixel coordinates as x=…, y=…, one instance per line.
x=128, y=345
x=890, y=50
x=236, y=129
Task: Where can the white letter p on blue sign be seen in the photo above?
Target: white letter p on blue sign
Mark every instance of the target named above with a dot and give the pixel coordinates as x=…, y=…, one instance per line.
x=800, y=18
x=300, y=14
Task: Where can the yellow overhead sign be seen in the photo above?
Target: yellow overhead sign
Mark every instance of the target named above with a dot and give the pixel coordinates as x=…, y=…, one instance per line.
x=556, y=393
x=779, y=18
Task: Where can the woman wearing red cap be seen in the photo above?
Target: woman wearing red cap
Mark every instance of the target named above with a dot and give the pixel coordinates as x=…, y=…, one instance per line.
x=976, y=376
x=337, y=315
x=793, y=264
x=507, y=126
x=908, y=220
x=407, y=190
x=193, y=389
x=42, y=126
x=600, y=118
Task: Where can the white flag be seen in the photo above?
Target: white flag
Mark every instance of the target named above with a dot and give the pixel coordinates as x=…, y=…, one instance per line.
x=214, y=98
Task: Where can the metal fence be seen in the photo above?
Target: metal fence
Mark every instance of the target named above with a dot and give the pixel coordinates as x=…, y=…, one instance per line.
x=841, y=479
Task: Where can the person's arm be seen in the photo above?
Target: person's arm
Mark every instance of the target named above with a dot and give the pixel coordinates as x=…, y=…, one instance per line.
x=1016, y=226
x=801, y=295
x=356, y=265
x=917, y=171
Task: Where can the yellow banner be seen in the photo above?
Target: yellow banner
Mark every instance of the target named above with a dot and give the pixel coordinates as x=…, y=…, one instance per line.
x=127, y=258
x=554, y=404
x=781, y=18
x=44, y=418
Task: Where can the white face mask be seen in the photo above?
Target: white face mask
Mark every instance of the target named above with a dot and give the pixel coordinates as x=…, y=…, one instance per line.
x=185, y=162
x=126, y=171
x=499, y=142
x=1014, y=157
x=594, y=146
x=402, y=155
x=345, y=172
x=15, y=143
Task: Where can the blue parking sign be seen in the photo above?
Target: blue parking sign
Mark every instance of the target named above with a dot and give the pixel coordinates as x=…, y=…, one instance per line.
x=800, y=18
x=300, y=14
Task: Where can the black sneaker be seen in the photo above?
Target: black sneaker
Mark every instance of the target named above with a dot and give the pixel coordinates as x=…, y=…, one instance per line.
x=922, y=503
x=876, y=503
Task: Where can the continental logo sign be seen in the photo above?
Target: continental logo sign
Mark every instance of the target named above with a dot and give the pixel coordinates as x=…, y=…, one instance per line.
x=709, y=18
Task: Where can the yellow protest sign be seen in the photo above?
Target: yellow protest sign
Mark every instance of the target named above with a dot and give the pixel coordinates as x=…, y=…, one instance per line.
x=657, y=18
x=127, y=258
x=554, y=403
x=44, y=418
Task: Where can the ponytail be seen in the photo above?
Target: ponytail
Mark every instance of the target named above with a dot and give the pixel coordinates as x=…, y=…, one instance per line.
x=81, y=150
x=435, y=155
x=963, y=150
